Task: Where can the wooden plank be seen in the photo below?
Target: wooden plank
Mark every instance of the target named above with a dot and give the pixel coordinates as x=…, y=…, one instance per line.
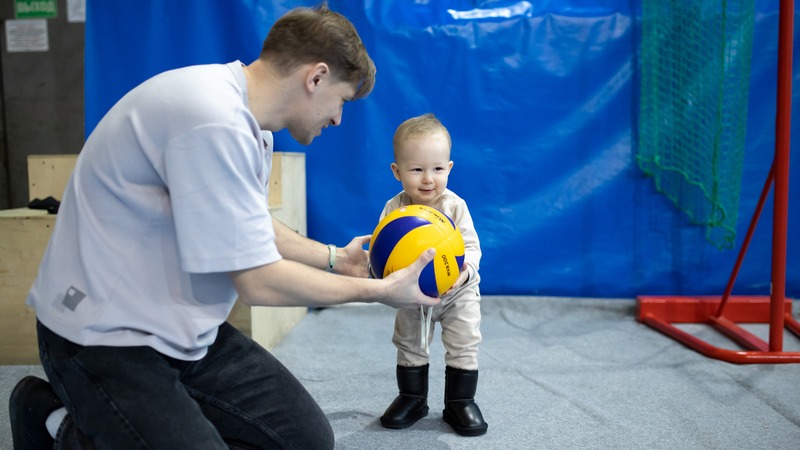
x=268, y=325
x=48, y=175
x=292, y=211
x=271, y=324
x=275, y=198
x=23, y=239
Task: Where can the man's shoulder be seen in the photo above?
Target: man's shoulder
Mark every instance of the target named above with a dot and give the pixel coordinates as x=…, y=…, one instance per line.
x=206, y=78
x=194, y=95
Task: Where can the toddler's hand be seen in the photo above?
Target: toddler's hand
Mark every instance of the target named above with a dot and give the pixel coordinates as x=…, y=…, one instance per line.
x=462, y=278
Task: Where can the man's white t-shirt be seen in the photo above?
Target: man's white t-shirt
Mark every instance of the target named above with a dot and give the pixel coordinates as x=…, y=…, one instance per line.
x=169, y=194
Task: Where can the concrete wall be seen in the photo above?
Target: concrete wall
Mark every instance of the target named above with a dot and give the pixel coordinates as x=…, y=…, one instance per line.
x=42, y=105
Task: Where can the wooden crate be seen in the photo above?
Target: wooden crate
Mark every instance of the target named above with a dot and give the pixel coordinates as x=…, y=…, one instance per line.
x=23, y=237
x=24, y=234
x=48, y=175
x=287, y=201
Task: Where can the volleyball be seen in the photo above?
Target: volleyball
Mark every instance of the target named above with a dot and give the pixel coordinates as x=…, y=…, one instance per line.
x=405, y=233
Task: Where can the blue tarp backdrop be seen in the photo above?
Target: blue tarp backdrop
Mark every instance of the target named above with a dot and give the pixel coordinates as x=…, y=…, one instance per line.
x=540, y=98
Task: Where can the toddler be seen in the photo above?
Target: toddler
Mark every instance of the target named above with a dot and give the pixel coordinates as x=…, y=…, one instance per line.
x=422, y=165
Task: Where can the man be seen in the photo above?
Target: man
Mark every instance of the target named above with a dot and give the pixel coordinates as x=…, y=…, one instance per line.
x=163, y=224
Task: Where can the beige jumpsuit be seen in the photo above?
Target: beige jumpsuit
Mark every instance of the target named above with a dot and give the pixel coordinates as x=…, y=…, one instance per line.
x=459, y=313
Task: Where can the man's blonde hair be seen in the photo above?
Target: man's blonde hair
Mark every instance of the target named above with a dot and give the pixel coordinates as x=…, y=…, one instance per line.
x=416, y=126
x=311, y=35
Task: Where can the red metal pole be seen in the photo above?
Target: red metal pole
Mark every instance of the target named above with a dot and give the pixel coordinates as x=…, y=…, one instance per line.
x=781, y=165
x=746, y=243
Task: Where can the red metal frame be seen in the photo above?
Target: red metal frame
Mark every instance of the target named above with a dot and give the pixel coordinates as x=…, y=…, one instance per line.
x=661, y=313
x=722, y=313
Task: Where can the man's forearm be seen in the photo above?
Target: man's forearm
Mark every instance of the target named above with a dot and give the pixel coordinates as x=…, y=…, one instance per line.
x=296, y=247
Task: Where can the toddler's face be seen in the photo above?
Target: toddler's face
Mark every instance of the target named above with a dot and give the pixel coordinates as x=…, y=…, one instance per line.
x=423, y=166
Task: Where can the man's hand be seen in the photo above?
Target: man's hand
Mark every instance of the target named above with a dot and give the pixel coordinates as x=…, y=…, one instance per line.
x=404, y=291
x=352, y=259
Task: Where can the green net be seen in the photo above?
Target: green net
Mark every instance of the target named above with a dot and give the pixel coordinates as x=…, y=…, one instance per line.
x=695, y=78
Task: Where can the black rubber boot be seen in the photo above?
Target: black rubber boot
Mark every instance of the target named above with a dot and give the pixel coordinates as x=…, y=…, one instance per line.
x=412, y=403
x=460, y=410
x=31, y=402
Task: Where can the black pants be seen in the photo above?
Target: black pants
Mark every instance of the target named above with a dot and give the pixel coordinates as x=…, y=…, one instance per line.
x=237, y=396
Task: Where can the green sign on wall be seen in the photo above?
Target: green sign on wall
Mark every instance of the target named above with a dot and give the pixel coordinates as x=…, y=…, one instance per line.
x=35, y=9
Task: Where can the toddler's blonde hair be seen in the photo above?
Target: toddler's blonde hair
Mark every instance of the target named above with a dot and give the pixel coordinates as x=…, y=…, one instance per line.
x=420, y=125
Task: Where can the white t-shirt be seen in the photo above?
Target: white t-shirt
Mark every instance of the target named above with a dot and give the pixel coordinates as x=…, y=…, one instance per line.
x=169, y=194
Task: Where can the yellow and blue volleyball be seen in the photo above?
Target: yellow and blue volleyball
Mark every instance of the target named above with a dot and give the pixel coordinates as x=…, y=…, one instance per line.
x=405, y=233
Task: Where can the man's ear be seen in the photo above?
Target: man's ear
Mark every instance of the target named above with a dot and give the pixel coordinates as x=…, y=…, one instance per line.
x=315, y=75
